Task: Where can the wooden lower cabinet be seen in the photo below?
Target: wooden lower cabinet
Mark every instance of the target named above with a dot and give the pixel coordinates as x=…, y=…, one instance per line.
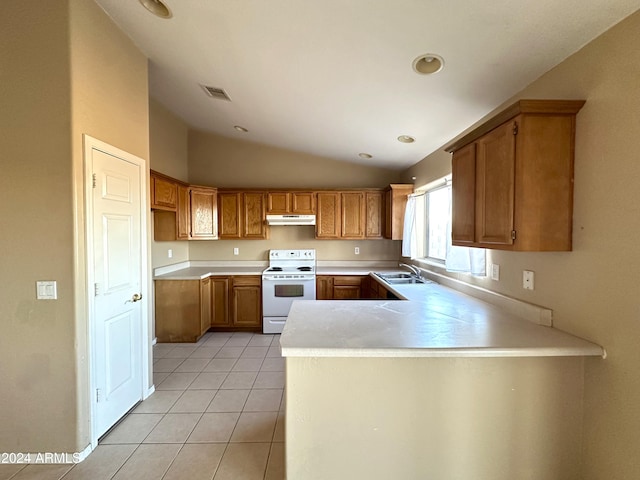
x=182, y=310
x=342, y=287
x=186, y=309
x=246, y=302
x=237, y=303
x=220, y=302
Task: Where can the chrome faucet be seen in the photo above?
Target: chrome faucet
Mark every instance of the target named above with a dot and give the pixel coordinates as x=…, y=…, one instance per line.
x=413, y=268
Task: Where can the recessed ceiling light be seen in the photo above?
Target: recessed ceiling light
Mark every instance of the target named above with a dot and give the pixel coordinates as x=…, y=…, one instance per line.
x=365, y=155
x=406, y=139
x=240, y=129
x=428, y=64
x=157, y=7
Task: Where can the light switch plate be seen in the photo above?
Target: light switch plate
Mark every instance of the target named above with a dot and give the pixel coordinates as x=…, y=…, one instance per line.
x=236, y=251
x=46, y=290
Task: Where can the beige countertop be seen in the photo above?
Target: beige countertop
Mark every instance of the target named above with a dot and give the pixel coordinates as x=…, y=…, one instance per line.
x=198, y=273
x=435, y=321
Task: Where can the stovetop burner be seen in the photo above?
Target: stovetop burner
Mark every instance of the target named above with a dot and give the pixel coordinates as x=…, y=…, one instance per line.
x=274, y=269
x=305, y=269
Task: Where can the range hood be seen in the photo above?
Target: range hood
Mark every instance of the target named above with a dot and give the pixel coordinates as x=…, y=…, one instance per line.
x=291, y=219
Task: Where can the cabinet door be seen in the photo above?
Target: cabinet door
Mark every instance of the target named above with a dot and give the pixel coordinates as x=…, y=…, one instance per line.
x=495, y=180
x=203, y=213
x=346, y=292
x=254, y=225
x=324, y=287
x=328, y=216
x=373, y=218
x=220, y=302
x=246, y=302
x=348, y=287
x=164, y=193
x=229, y=214
x=183, y=215
x=177, y=310
x=353, y=215
x=303, y=203
x=205, y=305
x=279, y=203
x=463, y=196
x=395, y=203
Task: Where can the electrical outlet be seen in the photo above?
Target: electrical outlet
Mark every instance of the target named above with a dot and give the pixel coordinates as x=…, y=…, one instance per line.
x=169, y=253
x=495, y=272
x=236, y=251
x=527, y=279
x=357, y=251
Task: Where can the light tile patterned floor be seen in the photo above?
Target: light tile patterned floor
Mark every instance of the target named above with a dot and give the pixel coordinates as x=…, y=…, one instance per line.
x=217, y=414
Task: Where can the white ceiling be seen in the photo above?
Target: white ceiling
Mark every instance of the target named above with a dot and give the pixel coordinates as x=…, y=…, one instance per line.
x=334, y=77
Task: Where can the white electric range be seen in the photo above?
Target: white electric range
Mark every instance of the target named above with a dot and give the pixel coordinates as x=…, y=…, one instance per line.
x=291, y=276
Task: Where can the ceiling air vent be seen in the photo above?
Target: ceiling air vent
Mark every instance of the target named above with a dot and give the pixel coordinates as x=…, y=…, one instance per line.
x=215, y=92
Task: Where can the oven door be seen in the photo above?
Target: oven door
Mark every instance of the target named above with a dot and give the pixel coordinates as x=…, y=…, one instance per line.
x=277, y=296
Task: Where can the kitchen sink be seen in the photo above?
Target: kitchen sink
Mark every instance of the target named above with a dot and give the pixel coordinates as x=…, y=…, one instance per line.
x=388, y=276
x=400, y=278
x=404, y=281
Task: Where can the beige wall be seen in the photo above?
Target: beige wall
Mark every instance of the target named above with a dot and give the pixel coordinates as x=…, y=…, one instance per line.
x=293, y=237
x=226, y=162
x=66, y=70
x=218, y=161
x=110, y=102
x=168, y=148
x=593, y=289
x=37, y=353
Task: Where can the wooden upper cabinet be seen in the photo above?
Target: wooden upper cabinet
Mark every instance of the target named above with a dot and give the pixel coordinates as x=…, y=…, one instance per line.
x=254, y=222
x=291, y=202
x=164, y=192
x=353, y=214
x=183, y=215
x=328, y=221
x=229, y=211
x=204, y=213
x=303, y=203
x=395, y=203
x=463, y=222
x=520, y=164
x=279, y=203
x=349, y=215
x=373, y=214
x=242, y=215
x=495, y=170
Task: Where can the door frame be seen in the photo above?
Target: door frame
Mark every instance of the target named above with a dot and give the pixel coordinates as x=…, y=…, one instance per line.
x=90, y=143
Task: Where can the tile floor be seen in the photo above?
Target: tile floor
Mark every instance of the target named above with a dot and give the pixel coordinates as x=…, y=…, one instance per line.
x=217, y=414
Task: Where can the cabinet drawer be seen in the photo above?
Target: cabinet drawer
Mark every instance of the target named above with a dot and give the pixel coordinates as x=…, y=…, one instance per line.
x=343, y=280
x=253, y=280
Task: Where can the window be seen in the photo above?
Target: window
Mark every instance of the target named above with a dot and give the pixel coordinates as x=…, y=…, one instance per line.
x=427, y=233
x=438, y=212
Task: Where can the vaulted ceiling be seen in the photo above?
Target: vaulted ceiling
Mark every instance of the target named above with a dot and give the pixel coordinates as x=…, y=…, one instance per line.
x=334, y=78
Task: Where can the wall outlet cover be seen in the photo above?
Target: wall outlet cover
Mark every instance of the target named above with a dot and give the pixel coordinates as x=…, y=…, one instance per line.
x=495, y=272
x=527, y=280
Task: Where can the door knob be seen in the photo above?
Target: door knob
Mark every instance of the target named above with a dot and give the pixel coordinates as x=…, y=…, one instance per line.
x=136, y=298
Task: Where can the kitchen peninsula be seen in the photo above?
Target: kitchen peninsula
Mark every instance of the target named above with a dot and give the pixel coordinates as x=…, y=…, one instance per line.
x=442, y=386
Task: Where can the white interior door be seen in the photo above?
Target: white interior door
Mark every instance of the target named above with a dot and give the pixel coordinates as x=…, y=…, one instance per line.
x=117, y=276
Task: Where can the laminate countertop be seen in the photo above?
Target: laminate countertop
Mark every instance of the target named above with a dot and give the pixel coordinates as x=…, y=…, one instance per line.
x=433, y=321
